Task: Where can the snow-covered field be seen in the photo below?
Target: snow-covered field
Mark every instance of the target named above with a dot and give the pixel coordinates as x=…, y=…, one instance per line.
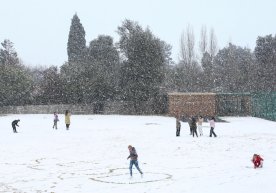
x=91, y=156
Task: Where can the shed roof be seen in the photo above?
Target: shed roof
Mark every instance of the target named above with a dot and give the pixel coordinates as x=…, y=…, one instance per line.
x=191, y=93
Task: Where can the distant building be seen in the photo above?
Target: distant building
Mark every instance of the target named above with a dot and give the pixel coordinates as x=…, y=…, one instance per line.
x=208, y=104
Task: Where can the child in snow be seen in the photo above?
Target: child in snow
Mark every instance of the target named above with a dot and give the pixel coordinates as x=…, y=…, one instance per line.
x=257, y=161
x=190, y=125
x=67, y=119
x=199, y=122
x=133, y=160
x=212, y=126
x=14, y=124
x=193, y=127
x=55, y=120
x=178, y=126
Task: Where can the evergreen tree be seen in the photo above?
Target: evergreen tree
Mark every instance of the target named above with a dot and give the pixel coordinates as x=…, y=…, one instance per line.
x=265, y=52
x=50, y=87
x=71, y=71
x=76, y=46
x=102, y=69
x=72, y=79
x=144, y=60
x=233, y=68
x=15, y=80
x=8, y=55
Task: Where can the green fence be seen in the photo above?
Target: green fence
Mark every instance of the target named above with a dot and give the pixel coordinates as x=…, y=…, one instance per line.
x=264, y=105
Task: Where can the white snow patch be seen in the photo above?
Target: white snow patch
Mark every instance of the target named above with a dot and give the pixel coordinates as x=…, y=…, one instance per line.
x=91, y=156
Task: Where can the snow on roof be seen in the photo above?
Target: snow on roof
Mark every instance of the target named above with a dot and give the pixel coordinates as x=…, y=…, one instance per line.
x=191, y=93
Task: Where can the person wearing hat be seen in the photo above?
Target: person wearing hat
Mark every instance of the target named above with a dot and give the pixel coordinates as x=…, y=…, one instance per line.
x=133, y=160
x=14, y=124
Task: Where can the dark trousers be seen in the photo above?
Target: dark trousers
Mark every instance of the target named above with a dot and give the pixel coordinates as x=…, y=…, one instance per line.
x=178, y=131
x=55, y=124
x=194, y=132
x=67, y=126
x=14, y=128
x=212, y=132
x=134, y=162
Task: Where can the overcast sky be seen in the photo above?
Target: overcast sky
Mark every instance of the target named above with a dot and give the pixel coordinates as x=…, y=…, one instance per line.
x=39, y=28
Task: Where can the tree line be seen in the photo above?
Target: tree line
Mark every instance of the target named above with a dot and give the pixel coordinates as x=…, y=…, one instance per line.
x=137, y=68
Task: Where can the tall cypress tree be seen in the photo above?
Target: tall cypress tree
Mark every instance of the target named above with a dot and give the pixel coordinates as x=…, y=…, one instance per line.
x=76, y=41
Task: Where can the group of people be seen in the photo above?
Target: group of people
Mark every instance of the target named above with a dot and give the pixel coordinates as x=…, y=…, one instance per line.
x=56, y=119
x=196, y=124
x=67, y=119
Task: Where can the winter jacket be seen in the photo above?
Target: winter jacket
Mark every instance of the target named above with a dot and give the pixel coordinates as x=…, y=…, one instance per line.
x=200, y=121
x=212, y=123
x=15, y=122
x=257, y=160
x=67, y=119
x=56, y=117
x=193, y=123
x=178, y=124
x=132, y=154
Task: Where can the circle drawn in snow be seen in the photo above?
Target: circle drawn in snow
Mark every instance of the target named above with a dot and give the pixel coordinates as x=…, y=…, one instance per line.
x=152, y=124
x=123, y=178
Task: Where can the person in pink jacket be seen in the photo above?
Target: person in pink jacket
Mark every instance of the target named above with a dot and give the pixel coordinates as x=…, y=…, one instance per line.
x=212, y=126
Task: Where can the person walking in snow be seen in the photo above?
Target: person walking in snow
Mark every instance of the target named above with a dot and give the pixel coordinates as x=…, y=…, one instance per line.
x=199, y=122
x=67, y=119
x=189, y=120
x=212, y=127
x=193, y=126
x=133, y=160
x=55, y=120
x=257, y=161
x=14, y=124
x=178, y=126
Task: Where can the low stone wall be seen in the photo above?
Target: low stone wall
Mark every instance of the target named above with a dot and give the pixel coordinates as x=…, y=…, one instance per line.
x=45, y=109
x=117, y=107
x=177, y=104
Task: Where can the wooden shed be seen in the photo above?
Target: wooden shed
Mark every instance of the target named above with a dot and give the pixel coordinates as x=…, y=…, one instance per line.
x=191, y=104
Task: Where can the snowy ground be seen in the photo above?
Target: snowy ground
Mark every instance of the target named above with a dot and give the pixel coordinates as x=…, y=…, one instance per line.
x=91, y=156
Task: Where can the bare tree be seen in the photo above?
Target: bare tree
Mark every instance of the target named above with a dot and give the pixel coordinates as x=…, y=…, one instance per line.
x=187, y=44
x=188, y=70
x=213, y=43
x=203, y=43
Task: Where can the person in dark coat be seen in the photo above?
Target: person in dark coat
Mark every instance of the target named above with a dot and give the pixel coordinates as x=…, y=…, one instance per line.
x=193, y=126
x=14, y=124
x=178, y=127
x=133, y=160
x=190, y=125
